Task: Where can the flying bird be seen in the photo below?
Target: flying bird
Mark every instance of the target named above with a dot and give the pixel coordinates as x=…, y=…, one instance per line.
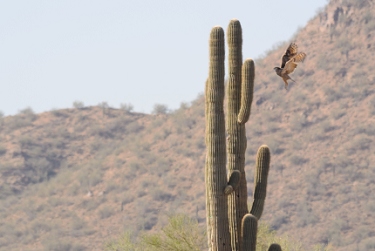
x=289, y=62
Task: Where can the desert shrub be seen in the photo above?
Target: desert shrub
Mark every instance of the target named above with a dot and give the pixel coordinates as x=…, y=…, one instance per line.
x=331, y=94
x=367, y=244
x=104, y=105
x=271, y=116
x=135, y=167
x=367, y=17
x=3, y=150
x=298, y=122
x=181, y=233
x=147, y=157
x=272, y=127
x=105, y=212
x=113, y=128
x=280, y=218
x=297, y=160
x=73, y=189
x=160, y=167
x=39, y=227
x=187, y=152
x=305, y=215
x=41, y=162
x=162, y=135
x=299, y=97
x=21, y=120
x=160, y=195
x=184, y=122
x=171, y=183
x=134, y=127
x=184, y=234
x=141, y=193
x=344, y=45
x=57, y=244
x=338, y=113
x=266, y=236
x=198, y=112
x=148, y=222
x=78, y=104
x=275, y=145
x=160, y=109
x=326, y=126
x=28, y=112
x=184, y=105
x=157, y=122
x=360, y=3
x=370, y=26
x=124, y=243
x=361, y=142
x=55, y=201
x=200, y=144
x=89, y=204
x=59, y=113
x=126, y=199
x=111, y=186
x=126, y=107
x=95, y=177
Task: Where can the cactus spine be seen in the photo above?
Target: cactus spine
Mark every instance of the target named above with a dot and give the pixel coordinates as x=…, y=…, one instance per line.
x=230, y=227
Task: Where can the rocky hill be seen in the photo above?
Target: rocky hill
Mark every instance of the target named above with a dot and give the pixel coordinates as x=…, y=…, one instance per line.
x=72, y=179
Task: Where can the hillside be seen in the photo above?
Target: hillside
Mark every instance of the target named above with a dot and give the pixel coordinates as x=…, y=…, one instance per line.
x=72, y=179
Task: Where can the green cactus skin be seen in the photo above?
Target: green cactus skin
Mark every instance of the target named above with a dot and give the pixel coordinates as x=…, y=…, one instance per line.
x=236, y=140
x=274, y=247
x=234, y=181
x=247, y=90
x=249, y=232
x=215, y=170
x=260, y=180
x=230, y=227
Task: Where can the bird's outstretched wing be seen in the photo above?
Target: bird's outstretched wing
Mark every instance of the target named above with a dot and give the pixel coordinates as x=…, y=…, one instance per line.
x=292, y=63
x=290, y=52
x=289, y=67
x=299, y=57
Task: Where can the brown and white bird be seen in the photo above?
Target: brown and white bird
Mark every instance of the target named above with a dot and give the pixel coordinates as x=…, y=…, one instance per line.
x=289, y=62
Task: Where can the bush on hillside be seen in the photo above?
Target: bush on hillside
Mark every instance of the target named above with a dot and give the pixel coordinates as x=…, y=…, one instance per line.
x=185, y=234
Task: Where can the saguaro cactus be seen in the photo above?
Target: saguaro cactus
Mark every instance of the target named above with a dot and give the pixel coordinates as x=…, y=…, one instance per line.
x=230, y=227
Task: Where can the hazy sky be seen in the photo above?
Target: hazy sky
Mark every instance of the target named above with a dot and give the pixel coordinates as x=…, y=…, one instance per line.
x=140, y=52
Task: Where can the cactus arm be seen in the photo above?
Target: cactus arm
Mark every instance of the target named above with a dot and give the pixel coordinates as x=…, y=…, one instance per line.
x=234, y=181
x=274, y=247
x=260, y=180
x=249, y=232
x=247, y=90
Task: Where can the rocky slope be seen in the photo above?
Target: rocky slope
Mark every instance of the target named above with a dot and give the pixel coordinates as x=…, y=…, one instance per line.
x=72, y=179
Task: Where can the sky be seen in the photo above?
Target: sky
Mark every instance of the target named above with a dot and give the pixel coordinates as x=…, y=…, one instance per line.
x=147, y=52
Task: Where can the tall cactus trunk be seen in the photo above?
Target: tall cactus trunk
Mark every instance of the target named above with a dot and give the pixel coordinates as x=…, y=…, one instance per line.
x=216, y=177
x=236, y=139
